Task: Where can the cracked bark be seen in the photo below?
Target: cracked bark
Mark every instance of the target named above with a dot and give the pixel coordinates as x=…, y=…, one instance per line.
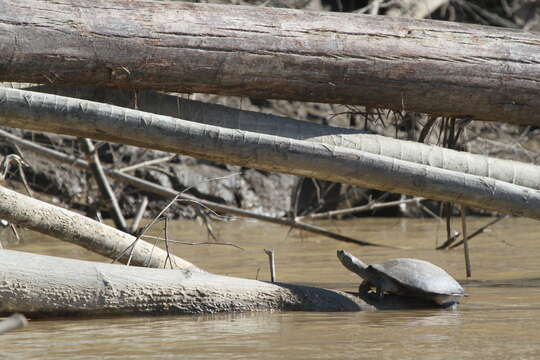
x=418, y=65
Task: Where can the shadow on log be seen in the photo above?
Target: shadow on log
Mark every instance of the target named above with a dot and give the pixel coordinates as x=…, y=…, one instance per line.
x=42, y=286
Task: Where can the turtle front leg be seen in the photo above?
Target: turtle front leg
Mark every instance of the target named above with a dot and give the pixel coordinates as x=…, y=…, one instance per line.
x=380, y=292
x=364, y=288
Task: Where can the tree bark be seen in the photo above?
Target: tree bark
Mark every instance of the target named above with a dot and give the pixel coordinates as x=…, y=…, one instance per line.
x=440, y=68
x=46, y=286
x=43, y=112
x=81, y=230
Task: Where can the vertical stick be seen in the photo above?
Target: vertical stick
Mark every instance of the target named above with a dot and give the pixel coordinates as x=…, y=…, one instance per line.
x=447, y=211
x=465, y=243
x=138, y=216
x=103, y=184
x=270, y=254
x=166, y=230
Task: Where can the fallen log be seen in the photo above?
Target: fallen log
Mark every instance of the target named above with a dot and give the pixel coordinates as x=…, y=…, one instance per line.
x=435, y=67
x=44, y=112
x=514, y=172
x=80, y=230
x=46, y=286
x=167, y=192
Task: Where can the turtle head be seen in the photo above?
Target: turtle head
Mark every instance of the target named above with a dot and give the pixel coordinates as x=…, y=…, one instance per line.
x=352, y=263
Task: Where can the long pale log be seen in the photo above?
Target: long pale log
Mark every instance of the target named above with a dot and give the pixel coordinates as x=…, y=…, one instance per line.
x=69, y=226
x=44, y=286
x=442, y=68
x=44, y=112
x=513, y=172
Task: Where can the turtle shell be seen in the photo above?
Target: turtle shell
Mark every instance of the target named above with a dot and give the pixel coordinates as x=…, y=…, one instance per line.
x=419, y=276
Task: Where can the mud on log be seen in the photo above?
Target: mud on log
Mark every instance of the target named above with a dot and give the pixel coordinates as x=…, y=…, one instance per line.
x=46, y=286
x=441, y=68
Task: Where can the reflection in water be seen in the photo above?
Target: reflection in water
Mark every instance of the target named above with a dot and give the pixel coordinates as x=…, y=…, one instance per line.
x=507, y=283
x=420, y=318
x=500, y=319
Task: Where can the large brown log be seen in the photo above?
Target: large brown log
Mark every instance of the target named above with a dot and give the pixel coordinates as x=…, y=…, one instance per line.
x=403, y=64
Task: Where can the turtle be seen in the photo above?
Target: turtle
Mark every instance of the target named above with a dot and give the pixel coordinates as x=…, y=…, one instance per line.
x=406, y=277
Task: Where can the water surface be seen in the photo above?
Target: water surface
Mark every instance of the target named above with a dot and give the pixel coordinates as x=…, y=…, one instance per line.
x=500, y=319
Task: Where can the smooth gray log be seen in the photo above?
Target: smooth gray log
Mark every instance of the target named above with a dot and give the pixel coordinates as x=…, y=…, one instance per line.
x=514, y=172
x=436, y=67
x=44, y=112
x=46, y=286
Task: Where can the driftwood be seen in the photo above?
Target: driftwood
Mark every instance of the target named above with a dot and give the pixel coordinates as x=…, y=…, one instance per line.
x=372, y=205
x=14, y=322
x=80, y=230
x=449, y=243
x=166, y=192
x=45, y=286
x=43, y=112
x=103, y=184
x=513, y=172
x=441, y=68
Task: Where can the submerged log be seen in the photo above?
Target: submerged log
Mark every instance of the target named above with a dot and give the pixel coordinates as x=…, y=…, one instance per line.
x=46, y=286
x=44, y=112
x=436, y=67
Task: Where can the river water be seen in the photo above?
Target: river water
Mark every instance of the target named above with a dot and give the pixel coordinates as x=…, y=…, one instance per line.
x=499, y=320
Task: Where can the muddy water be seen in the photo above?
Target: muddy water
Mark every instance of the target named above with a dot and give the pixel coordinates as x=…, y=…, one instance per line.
x=500, y=319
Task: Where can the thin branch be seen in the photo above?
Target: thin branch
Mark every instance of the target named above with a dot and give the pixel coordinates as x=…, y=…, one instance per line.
x=192, y=243
x=465, y=243
x=147, y=163
x=139, y=214
x=480, y=230
x=103, y=183
x=371, y=206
